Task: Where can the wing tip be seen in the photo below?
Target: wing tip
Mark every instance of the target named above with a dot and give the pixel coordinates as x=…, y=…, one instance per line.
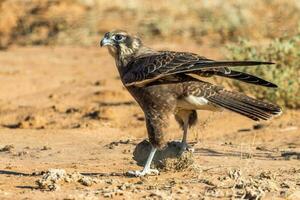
x=272, y=85
x=267, y=63
x=261, y=62
x=277, y=112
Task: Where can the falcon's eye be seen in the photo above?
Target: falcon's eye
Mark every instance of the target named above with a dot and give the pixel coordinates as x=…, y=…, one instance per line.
x=119, y=37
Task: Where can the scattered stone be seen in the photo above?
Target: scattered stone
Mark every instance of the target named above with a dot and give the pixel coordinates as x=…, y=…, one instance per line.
x=53, y=178
x=37, y=173
x=125, y=186
x=265, y=175
x=124, y=141
x=45, y=148
x=284, y=185
x=52, y=96
x=261, y=148
x=75, y=125
x=212, y=192
x=97, y=93
x=253, y=193
x=93, y=115
x=7, y=148
x=22, y=153
x=108, y=195
x=71, y=110
x=54, y=108
x=37, y=122
x=86, y=181
x=126, y=151
x=207, y=182
x=252, y=187
x=234, y=174
x=98, y=83
x=109, y=181
x=113, y=144
x=259, y=126
x=139, y=183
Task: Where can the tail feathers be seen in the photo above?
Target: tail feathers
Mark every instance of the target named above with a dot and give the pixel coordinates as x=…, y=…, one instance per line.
x=244, y=105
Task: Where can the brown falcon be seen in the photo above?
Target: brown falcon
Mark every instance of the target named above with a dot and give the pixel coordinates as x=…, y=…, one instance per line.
x=163, y=83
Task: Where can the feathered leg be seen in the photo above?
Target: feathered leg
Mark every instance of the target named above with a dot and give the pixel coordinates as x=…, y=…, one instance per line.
x=185, y=131
x=155, y=123
x=185, y=118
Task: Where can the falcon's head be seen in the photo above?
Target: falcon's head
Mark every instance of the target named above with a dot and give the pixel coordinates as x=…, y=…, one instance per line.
x=120, y=44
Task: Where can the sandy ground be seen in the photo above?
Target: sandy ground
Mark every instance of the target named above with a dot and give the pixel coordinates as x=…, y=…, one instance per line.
x=69, y=130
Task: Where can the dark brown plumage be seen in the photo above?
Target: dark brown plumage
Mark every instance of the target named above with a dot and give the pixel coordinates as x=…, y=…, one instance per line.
x=164, y=84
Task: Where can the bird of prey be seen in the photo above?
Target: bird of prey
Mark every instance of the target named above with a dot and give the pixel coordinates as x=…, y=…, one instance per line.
x=166, y=83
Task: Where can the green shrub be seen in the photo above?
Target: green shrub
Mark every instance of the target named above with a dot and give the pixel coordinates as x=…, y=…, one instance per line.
x=285, y=52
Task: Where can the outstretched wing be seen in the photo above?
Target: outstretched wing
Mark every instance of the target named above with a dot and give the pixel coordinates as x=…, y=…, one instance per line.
x=151, y=67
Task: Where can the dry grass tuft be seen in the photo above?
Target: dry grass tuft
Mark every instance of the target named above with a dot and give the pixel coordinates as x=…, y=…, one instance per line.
x=285, y=73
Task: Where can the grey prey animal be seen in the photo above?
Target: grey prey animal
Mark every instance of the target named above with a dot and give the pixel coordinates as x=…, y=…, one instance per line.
x=168, y=83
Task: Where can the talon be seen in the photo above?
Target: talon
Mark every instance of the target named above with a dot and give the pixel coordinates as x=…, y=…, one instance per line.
x=185, y=147
x=132, y=173
x=150, y=172
x=154, y=172
x=190, y=149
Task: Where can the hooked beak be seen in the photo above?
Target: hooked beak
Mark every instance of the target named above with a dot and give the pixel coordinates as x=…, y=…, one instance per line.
x=105, y=41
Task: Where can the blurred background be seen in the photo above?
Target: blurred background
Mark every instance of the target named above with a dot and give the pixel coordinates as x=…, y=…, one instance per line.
x=257, y=29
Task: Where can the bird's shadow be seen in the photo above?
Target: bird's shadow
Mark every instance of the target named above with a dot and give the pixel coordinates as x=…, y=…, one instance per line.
x=15, y=173
x=8, y=172
x=231, y=153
